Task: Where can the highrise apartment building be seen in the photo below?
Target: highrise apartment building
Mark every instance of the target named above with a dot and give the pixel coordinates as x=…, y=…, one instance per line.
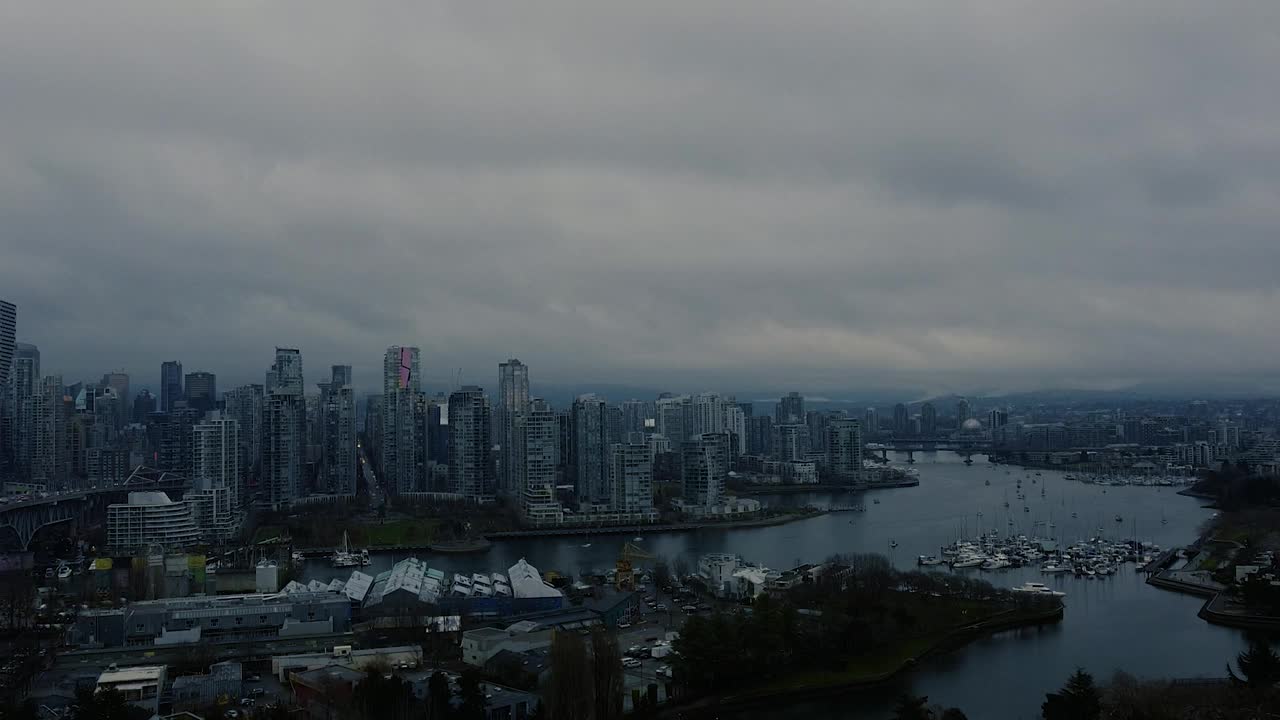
x=215, y=499
x=244, y=404
x=24, y=384
x=50, y=462
x=284, y=432
x=403, y=455
x=8, y=411
x=201, y=391
x=790, y=442
x=512, y=402
x=170, y=384
x=470, y=469
x=704, y=464
x=630, y=478
x=537, y=432
x=338, y=433
x=790, y=410
x=844, y=450
x=590, y=459
x=8, y=338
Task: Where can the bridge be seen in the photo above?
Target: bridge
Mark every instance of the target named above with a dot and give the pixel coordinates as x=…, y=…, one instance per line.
x=26, y=515
x=959, y=445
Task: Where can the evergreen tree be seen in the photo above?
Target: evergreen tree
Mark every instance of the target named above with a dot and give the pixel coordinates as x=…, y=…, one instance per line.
x=439, y=697
x=472, y=695
x=1259, y=666
x=1079, y=699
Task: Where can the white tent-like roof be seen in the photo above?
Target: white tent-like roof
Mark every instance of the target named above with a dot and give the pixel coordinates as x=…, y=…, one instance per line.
x=527, y=582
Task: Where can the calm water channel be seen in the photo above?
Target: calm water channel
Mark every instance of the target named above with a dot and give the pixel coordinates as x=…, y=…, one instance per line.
x=1113, y=623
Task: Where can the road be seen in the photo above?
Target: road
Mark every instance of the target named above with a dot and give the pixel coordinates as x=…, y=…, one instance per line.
x=376, y=496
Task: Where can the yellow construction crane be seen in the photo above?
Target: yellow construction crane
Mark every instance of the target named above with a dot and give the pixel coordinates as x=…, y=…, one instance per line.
x=625, y=576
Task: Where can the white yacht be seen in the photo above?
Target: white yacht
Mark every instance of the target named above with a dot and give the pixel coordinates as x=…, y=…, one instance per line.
x=1035, y=588
x=998, y=562
x=1052, y=569
x=968, y=561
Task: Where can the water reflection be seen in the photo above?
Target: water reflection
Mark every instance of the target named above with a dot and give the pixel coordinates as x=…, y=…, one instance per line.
x=1118, y=622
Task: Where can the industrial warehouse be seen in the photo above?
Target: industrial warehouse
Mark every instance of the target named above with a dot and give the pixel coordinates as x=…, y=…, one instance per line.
x=409, y=589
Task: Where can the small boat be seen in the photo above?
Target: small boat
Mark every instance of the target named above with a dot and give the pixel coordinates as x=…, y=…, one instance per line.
x=893, y=543
x=1075, y=515
x=64, y=572
x=586, y=545
x=968, y=561
x=638, y=539
x=343, y=557
x=928, y=560
x=988, y=482
x=1051, y=569
x=365, y=560
x=1026, y=509
x=48, y=572
x=875, y=501
x=296, y=556
x=1119, y=519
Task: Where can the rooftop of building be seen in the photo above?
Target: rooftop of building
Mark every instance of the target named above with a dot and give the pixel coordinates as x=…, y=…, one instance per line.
x=229, y=670
x=328, y=675
x=531, y=661
x=150, y=497
x=413, y=650
x=135, y=674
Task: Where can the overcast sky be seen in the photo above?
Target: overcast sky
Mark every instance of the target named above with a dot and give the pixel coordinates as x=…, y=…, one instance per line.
x=825, y=196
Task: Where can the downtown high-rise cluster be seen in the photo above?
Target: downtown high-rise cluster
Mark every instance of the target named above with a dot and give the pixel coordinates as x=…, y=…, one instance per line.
x=275, y=445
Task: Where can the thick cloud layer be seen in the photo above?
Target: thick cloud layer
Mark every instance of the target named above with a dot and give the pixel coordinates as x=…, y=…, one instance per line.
x=829, y=196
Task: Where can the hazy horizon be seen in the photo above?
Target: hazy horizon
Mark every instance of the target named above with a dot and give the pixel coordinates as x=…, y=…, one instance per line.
x=933, y=197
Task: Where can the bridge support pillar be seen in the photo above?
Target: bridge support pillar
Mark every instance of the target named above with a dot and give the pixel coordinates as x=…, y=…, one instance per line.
x=968, y=458
x=911, y=456
x=884, y=453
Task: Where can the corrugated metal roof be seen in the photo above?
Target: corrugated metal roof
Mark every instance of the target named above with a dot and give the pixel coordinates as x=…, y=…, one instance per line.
x=358, y=586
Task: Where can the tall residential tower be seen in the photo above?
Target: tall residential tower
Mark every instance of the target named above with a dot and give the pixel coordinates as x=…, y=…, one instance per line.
x=403, y=455
x=284, y=432
x=513, y=402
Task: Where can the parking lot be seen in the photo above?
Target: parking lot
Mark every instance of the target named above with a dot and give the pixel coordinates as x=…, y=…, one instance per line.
x=660, y=613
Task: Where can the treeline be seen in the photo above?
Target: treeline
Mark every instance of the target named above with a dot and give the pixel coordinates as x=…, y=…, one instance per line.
x=858, y=607
x=1236, y=487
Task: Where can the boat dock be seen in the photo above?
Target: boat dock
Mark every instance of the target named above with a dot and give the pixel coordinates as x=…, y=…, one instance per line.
x=1162, y=561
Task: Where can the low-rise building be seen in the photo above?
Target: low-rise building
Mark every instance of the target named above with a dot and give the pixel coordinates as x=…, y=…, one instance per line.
x=224, y=681
x=320, y=690
x=526, y=670
x=481, y=644
x=176, y=621
x=345, y=657
x=140, y=685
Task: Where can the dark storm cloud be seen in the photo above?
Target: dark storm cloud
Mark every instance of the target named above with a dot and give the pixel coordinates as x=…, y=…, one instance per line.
x=724, y=194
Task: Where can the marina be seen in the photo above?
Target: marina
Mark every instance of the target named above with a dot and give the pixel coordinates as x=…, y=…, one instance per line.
x=923, y=520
